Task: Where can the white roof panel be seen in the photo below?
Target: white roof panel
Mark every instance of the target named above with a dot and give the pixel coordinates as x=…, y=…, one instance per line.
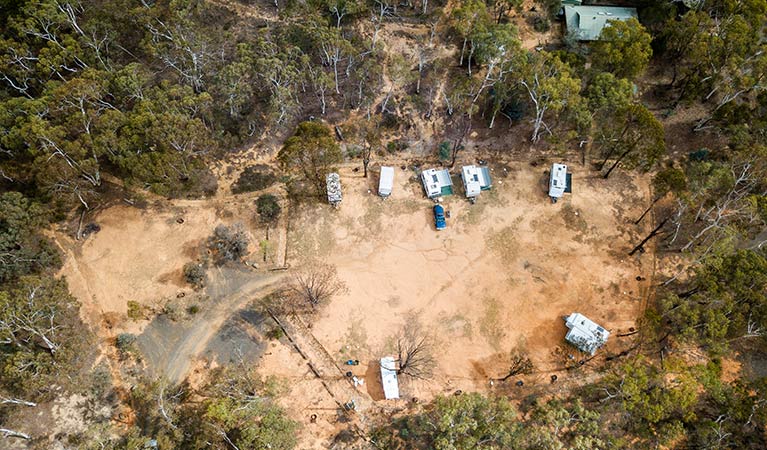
x=389, y=378
x=333, y=184
x=587, y=22
x=557, y=180
x=434, y=180
x=584, y=333
x=386, y=181
x=475, y=179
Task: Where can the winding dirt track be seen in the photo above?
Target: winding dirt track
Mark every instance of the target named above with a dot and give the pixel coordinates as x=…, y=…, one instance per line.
x=172, y=360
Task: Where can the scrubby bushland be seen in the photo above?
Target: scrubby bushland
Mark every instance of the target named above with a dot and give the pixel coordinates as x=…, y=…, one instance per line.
x=268, y=208
x=194, y=274
x=228, y=243
x=254, y=178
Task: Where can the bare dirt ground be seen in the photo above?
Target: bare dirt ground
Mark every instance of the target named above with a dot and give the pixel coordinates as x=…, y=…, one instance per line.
x=499, y=278
x=226, y=331
x=138, y=256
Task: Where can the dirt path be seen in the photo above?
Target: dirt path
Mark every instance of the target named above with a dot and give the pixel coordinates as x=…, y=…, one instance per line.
x=174, y=359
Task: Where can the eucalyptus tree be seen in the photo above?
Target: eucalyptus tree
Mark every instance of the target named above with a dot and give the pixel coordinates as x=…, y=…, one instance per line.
x=552, y=88
x=635, y=137
x=623, y=49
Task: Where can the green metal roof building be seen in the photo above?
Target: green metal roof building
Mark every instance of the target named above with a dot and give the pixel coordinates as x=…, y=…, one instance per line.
x=587, y=22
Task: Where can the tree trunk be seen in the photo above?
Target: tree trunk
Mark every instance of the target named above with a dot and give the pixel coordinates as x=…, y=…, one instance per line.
x=471, y=55
x=16, y=401
x=335, y=73
x=323, y=102
x=636, y=222
x=459, y=141
x=537, y=126
x=652, y=234
x=11, y=433
x=492, y=118
x=501, y=12
x=365, y=162
x=688, y=293
x=617, y=161
x=508, y=375
x=673, y=77
x=604, y=162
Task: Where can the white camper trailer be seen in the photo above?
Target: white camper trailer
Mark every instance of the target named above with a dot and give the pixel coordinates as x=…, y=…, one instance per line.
x=386, y=181
x=559, y=182
x=333, y=184
x=389, y=378
x=436, y=183
x=585, y=334
x=475, y=180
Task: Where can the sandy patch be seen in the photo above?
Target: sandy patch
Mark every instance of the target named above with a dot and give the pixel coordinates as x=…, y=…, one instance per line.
x=500, y=277
x=138, y=255
x=304, y=396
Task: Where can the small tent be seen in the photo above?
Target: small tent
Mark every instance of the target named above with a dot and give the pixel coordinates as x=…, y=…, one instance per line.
x=386, y=181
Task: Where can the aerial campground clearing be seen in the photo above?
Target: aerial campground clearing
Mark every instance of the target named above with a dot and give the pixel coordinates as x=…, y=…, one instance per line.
x=383, y=225
x=499, y=279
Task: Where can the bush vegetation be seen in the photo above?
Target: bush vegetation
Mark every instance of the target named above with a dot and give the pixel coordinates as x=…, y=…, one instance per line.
x=268, y=208
x=228, y=243
x=254, y=178
x=194, y=274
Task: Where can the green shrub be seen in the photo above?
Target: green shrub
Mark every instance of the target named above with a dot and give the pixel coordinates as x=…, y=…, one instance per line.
x=444, y=151
x=228, y=243
x=125, y=341
x=254, y=178
x=194, y=274
x=541, y=24
x=353, y=151
x=400, y=145
x=135, y=310
x=551, y=7
x=275, y=333
x=268, y=208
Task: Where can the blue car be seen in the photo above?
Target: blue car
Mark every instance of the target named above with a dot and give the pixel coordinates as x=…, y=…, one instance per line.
x=439, y=217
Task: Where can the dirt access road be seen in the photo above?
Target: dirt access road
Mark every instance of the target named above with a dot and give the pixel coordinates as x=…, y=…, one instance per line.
x=137, y=258
x=170, y=348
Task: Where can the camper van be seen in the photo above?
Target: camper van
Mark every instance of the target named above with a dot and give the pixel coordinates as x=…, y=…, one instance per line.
x=386, y=181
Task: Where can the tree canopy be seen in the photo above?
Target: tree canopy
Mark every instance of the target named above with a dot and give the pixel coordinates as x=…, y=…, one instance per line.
x=310, y=154
x=41, y=336
x=23, y=250
x=623, y=49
